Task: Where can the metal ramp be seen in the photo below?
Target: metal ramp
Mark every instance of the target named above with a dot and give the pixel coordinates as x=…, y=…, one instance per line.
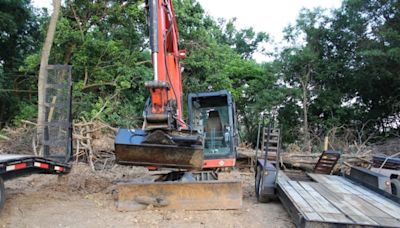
x=326, y=162
x=270, y=143
x=57, y=142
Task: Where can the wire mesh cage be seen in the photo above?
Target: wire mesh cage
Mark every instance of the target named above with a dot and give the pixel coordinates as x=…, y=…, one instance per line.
x=58, y=121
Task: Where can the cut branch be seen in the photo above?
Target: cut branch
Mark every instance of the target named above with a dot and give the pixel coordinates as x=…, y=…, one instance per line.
x=99, y=85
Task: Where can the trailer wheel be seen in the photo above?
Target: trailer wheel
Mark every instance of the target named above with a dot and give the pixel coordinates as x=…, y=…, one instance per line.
x=258, y=186
x=2, y=194
x=395, y=183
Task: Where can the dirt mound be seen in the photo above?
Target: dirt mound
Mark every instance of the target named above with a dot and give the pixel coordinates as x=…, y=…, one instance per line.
x=82, y=180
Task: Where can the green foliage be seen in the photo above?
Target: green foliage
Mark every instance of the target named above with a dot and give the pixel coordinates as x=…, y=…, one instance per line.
x=26, y=111
x=346, y=61
x=19, y=37
x=353, y=59
x=245, y=41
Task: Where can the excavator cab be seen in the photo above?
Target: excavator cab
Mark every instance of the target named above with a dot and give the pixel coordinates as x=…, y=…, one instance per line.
x=213, y=115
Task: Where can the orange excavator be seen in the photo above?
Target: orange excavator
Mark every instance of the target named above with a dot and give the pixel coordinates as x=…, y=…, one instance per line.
x=186, y=154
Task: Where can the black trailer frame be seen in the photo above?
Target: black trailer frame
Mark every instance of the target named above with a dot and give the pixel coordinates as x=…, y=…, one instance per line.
x=14, y=166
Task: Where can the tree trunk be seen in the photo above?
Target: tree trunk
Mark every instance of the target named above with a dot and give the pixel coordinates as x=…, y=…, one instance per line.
x=42, y=80
x=304, y=82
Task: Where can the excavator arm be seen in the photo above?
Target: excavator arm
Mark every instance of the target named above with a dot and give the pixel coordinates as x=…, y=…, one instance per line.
x=164, y=140
x=165, y=109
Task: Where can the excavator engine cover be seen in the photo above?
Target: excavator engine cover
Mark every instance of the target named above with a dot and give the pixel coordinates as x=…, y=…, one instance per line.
x=174, y=149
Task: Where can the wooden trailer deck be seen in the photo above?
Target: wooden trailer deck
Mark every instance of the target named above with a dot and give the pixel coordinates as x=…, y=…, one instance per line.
x=335, y=201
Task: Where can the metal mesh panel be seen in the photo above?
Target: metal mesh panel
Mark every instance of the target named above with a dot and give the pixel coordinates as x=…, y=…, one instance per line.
x=58, y=125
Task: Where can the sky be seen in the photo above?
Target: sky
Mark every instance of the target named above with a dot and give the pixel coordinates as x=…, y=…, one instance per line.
x=270, y=16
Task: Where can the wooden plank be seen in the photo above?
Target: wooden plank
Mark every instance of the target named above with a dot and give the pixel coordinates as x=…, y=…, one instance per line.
x=333, y=215
x=365, y=207
x=331, y=179
x=318, y=197
x=343, y=205
x=316, y=177
x=322, y=207
x=373, y=211
x=314, y=205
x=336, y=200
x=334, y=186
x=314, y=198
x=362, y=191
x=335, y=218
x=374, y=199
x=386, y=222
x=357, y=200
x=282, y=177
x=299, y=202
x=295, y=197
x=312, y=216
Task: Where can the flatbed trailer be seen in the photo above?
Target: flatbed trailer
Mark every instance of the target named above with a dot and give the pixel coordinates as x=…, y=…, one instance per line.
x=319, y=199
x=14, y=166
x=332, y=201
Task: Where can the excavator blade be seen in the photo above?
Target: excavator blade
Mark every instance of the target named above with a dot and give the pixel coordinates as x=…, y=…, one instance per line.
x=202, y=195
x=175, y=150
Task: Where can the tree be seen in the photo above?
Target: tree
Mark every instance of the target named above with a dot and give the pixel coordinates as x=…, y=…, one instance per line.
x=105, y=42
x=20, y=33
x=352, y=57
x=300, y=63
x=371, y=59
x=42, y=78
x=245, y=41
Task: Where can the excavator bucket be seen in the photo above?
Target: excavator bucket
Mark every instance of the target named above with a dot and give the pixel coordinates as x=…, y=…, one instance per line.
x=159, y=148
x=202, y=195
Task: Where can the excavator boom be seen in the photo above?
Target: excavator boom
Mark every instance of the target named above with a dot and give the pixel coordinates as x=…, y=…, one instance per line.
x=164, y=140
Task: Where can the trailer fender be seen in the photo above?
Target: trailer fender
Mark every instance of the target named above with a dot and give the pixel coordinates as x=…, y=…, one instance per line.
x=265, y=183
x=395, y=184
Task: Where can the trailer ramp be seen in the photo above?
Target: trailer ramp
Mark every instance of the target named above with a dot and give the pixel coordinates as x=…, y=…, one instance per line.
x=333, y=201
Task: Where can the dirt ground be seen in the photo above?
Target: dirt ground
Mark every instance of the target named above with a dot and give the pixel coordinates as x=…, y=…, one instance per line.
x=84, y=199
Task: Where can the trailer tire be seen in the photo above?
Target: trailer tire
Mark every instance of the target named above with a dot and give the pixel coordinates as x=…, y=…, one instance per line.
x=258, y=187
x=395, y=184
x=2, y=194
